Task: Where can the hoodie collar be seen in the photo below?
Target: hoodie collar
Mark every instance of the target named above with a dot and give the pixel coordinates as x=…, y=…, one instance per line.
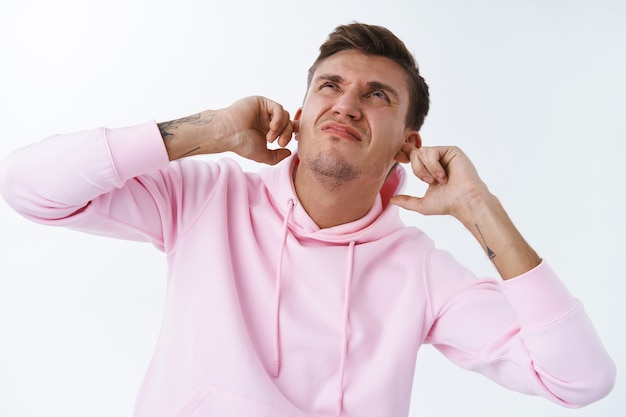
x=380, y=220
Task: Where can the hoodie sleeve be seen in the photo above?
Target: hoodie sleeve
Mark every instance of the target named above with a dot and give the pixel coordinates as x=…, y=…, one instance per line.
x=528, y=333
x=94, y=180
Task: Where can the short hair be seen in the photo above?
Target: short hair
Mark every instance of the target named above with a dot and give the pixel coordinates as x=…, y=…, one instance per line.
x=377, y=40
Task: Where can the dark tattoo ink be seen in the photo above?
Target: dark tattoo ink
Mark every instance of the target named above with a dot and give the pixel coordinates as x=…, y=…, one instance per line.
x=189, y=152
x=491, y=254
x=196, y=119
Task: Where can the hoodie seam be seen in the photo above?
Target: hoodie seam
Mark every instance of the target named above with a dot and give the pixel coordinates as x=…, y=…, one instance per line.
x=539, y=327
x=426, y=275
x=155, y=238
x=105, y=137
x=180, y=236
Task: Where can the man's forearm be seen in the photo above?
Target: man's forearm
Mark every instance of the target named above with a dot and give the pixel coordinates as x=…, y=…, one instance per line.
x=502, y=242
x=188, y=135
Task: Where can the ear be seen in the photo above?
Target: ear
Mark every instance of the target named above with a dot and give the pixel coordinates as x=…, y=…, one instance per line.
x=296, y=122
x=413, y=139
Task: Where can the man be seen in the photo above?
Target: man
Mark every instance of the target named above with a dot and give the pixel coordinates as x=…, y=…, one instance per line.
x=297, y=291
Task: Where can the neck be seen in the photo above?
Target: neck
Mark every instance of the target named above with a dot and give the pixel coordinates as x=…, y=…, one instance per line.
x=331, y=203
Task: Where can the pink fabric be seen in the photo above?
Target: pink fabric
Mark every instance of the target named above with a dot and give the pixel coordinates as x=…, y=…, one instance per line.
x=252, y=279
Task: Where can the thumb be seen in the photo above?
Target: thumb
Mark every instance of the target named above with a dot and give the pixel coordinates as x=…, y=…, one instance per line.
x=274, y=156
x=408, y=202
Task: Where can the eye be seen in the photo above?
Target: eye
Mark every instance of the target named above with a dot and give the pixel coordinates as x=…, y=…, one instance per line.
x=379, y=94
x=328, y=88
x=328, y=84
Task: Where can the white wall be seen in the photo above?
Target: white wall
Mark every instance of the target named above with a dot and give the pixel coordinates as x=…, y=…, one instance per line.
x=533, y=90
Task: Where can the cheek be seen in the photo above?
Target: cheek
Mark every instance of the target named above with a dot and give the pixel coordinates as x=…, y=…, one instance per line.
x=306, y=131
x=392, y=141
x=306, y=122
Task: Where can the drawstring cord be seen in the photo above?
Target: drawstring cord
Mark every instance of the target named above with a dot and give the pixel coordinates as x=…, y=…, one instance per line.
x=276, y=367
x=346, y=327
x=345, y=315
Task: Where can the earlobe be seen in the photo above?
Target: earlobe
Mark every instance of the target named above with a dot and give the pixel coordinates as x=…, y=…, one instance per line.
x=401, y=157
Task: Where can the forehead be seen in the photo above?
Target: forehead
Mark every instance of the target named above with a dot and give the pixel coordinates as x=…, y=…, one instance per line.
x=354, y=66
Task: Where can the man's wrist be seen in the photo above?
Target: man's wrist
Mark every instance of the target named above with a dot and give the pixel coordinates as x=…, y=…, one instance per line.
x=492, y=227
x=188, y=135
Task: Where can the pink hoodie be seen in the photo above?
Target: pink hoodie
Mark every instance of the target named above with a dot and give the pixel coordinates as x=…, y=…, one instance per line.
x=269, y=315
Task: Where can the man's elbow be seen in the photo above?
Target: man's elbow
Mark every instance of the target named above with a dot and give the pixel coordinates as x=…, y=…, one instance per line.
x=593, y=389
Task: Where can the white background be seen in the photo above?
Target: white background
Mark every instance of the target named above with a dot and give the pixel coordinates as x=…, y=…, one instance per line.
x=533, y=91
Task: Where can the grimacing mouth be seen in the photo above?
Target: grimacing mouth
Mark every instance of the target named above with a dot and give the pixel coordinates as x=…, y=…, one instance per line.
x=340, y=127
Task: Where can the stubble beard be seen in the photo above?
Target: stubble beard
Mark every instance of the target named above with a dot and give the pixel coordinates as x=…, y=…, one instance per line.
x=332, y=171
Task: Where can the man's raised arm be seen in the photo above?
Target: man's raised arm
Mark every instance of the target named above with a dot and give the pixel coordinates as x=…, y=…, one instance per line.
x=456, y=189
x=245, y=127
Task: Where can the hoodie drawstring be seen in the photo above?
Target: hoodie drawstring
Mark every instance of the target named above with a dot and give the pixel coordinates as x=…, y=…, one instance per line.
x=345, y=315
x=276, y=368
x=346, y=327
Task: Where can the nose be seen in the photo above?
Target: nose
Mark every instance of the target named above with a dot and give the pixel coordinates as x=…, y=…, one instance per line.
x=348, y=105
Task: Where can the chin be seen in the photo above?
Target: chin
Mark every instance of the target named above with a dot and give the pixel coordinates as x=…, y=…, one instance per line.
x=331, y=167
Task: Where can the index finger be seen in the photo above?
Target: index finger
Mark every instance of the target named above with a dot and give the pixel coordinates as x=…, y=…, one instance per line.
x=278, y=120
x=427, y=164
x=286, y=134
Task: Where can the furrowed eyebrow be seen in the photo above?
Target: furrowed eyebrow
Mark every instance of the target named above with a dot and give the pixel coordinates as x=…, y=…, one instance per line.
x=372, y=85
x=329, y=77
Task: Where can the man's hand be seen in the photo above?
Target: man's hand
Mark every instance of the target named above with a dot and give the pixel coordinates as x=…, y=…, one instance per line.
x=246, y=127
x=455, y=188
x=254, y=122
x=454, y=185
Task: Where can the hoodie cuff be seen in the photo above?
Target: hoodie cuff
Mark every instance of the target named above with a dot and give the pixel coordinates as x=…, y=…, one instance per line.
x=539, y=297
x=136, y=150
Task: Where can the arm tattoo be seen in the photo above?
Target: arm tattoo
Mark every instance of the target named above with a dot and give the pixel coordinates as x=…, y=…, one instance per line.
x=188, y=152
x=197, y=119
x=491, y=254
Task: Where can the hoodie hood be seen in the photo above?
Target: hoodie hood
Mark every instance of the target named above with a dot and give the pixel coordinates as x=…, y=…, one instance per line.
x=381, y=220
